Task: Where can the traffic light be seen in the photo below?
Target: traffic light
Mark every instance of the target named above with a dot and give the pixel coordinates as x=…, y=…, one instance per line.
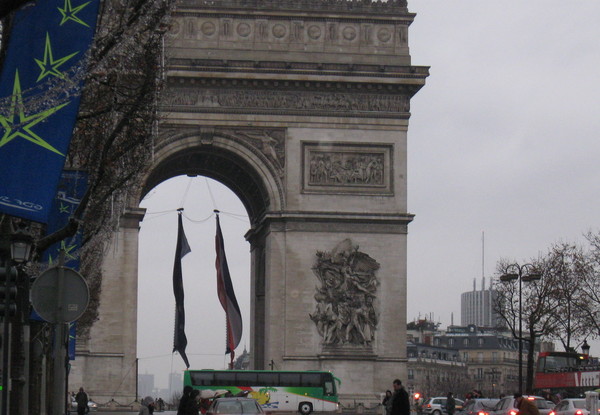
x=8, y=288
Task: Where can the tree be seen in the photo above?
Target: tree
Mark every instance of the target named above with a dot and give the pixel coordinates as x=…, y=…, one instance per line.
x=535, y=314
x=114, y=132
x=568, y=268
x=591, y=285
x=118, y=115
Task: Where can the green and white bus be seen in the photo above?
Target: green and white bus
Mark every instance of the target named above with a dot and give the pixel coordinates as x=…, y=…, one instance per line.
x=305, y=392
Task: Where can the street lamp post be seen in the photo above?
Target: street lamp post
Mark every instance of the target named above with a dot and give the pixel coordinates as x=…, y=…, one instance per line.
x=20, y=250
x=526, y=273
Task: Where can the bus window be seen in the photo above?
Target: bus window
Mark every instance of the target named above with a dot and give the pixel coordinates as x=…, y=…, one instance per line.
x=202, y=378
x=289, y=379
x=225, y=378
x=268, y=378
x=312, y=380
x=246, y=379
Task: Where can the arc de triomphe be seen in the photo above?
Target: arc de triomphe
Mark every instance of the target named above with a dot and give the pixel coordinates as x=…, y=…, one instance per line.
x=301, y=107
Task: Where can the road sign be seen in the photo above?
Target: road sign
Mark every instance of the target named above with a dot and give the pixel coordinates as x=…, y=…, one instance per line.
x=60, y=295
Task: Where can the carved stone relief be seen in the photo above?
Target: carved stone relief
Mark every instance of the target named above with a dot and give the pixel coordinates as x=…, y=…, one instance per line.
x=345, y=311
x=346, y=168
x=344, y=103
x=297, y=31
x=271, y=143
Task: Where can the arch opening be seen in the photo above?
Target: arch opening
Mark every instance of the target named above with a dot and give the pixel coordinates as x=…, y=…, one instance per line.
x=225, y=167
x=205, y=319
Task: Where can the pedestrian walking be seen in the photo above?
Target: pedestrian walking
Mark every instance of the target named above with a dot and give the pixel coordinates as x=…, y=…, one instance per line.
x=82, y=401
x=450, y=404
x=193, y=404
x=387, y=402
x=400, y=402
x=185, y=397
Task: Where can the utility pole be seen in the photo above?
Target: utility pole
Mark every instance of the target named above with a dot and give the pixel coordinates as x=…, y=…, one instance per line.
x=60, y=355
x=7, y=273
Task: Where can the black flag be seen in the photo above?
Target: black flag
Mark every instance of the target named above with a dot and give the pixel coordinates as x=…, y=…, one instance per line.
x=180, y=341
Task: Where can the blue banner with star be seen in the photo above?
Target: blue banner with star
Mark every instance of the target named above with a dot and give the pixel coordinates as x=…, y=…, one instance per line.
x=71, y=188
x=48, y=43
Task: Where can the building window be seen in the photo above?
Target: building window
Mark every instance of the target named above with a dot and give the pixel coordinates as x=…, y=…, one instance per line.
x=411, y=374
x=495, y=357
x=480, y=357
x=480, y=341
x=451, y=342
x=465, y=357
x=466, y=341
x=479, y=373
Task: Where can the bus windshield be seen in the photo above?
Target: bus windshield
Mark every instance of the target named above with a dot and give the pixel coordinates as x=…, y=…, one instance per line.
x=557, y=362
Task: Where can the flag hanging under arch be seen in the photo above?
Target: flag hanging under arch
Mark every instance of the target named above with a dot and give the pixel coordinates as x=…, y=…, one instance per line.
x=182, y=249
x=227, y=296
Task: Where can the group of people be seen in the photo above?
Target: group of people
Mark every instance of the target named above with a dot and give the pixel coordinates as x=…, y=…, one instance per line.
x=148, y=405
x=396, y=403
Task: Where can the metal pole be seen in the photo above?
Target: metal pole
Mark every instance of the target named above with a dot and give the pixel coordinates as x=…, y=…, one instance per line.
x=137, y=376
x=5, y=342
x=59, y=378
x=520, y=334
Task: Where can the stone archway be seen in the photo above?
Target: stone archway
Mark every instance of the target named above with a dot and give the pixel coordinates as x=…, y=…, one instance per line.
x=301, y=108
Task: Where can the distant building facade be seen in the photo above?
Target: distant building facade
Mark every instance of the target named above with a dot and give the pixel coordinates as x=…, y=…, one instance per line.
x=477, y=307
x=462, y=358
x=175, y=383
x=491, y=356
x=145, y=384
x=430, y=369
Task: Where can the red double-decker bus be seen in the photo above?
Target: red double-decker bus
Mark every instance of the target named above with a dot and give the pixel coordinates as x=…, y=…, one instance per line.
x=569, y=374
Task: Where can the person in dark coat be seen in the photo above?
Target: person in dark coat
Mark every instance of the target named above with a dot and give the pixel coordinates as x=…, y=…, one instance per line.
x=400, y=402
x=450, y=404
x=184, y=401
x=192, y=406
x=82, y=402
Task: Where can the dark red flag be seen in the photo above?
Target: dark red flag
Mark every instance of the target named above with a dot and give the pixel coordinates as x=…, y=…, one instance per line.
x=227, y=296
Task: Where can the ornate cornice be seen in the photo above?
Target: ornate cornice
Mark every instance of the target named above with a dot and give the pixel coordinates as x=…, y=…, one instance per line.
x=321, y=69
x=359, y=7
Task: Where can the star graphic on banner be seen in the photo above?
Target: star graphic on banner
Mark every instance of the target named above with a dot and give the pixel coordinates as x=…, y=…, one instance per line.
x=71, y=337
x=49, y=66
x=64, y=208
x=70, y=13
x=21, y=126
x=69, y=253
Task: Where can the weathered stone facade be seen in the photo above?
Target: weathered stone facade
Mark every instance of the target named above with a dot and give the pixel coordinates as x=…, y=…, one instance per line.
x=301, y=107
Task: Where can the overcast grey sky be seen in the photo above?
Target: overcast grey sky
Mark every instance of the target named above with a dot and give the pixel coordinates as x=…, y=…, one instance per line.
x=503, y=139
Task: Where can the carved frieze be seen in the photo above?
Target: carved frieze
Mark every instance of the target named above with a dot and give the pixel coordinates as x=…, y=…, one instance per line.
x=261, y=30
x=357, y=7
x=337, y=103
x=347, y=168
x=345, y=311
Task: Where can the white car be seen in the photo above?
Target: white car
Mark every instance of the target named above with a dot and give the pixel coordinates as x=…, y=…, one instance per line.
x=570, y=406
x=92, y=406
x=506, y=405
